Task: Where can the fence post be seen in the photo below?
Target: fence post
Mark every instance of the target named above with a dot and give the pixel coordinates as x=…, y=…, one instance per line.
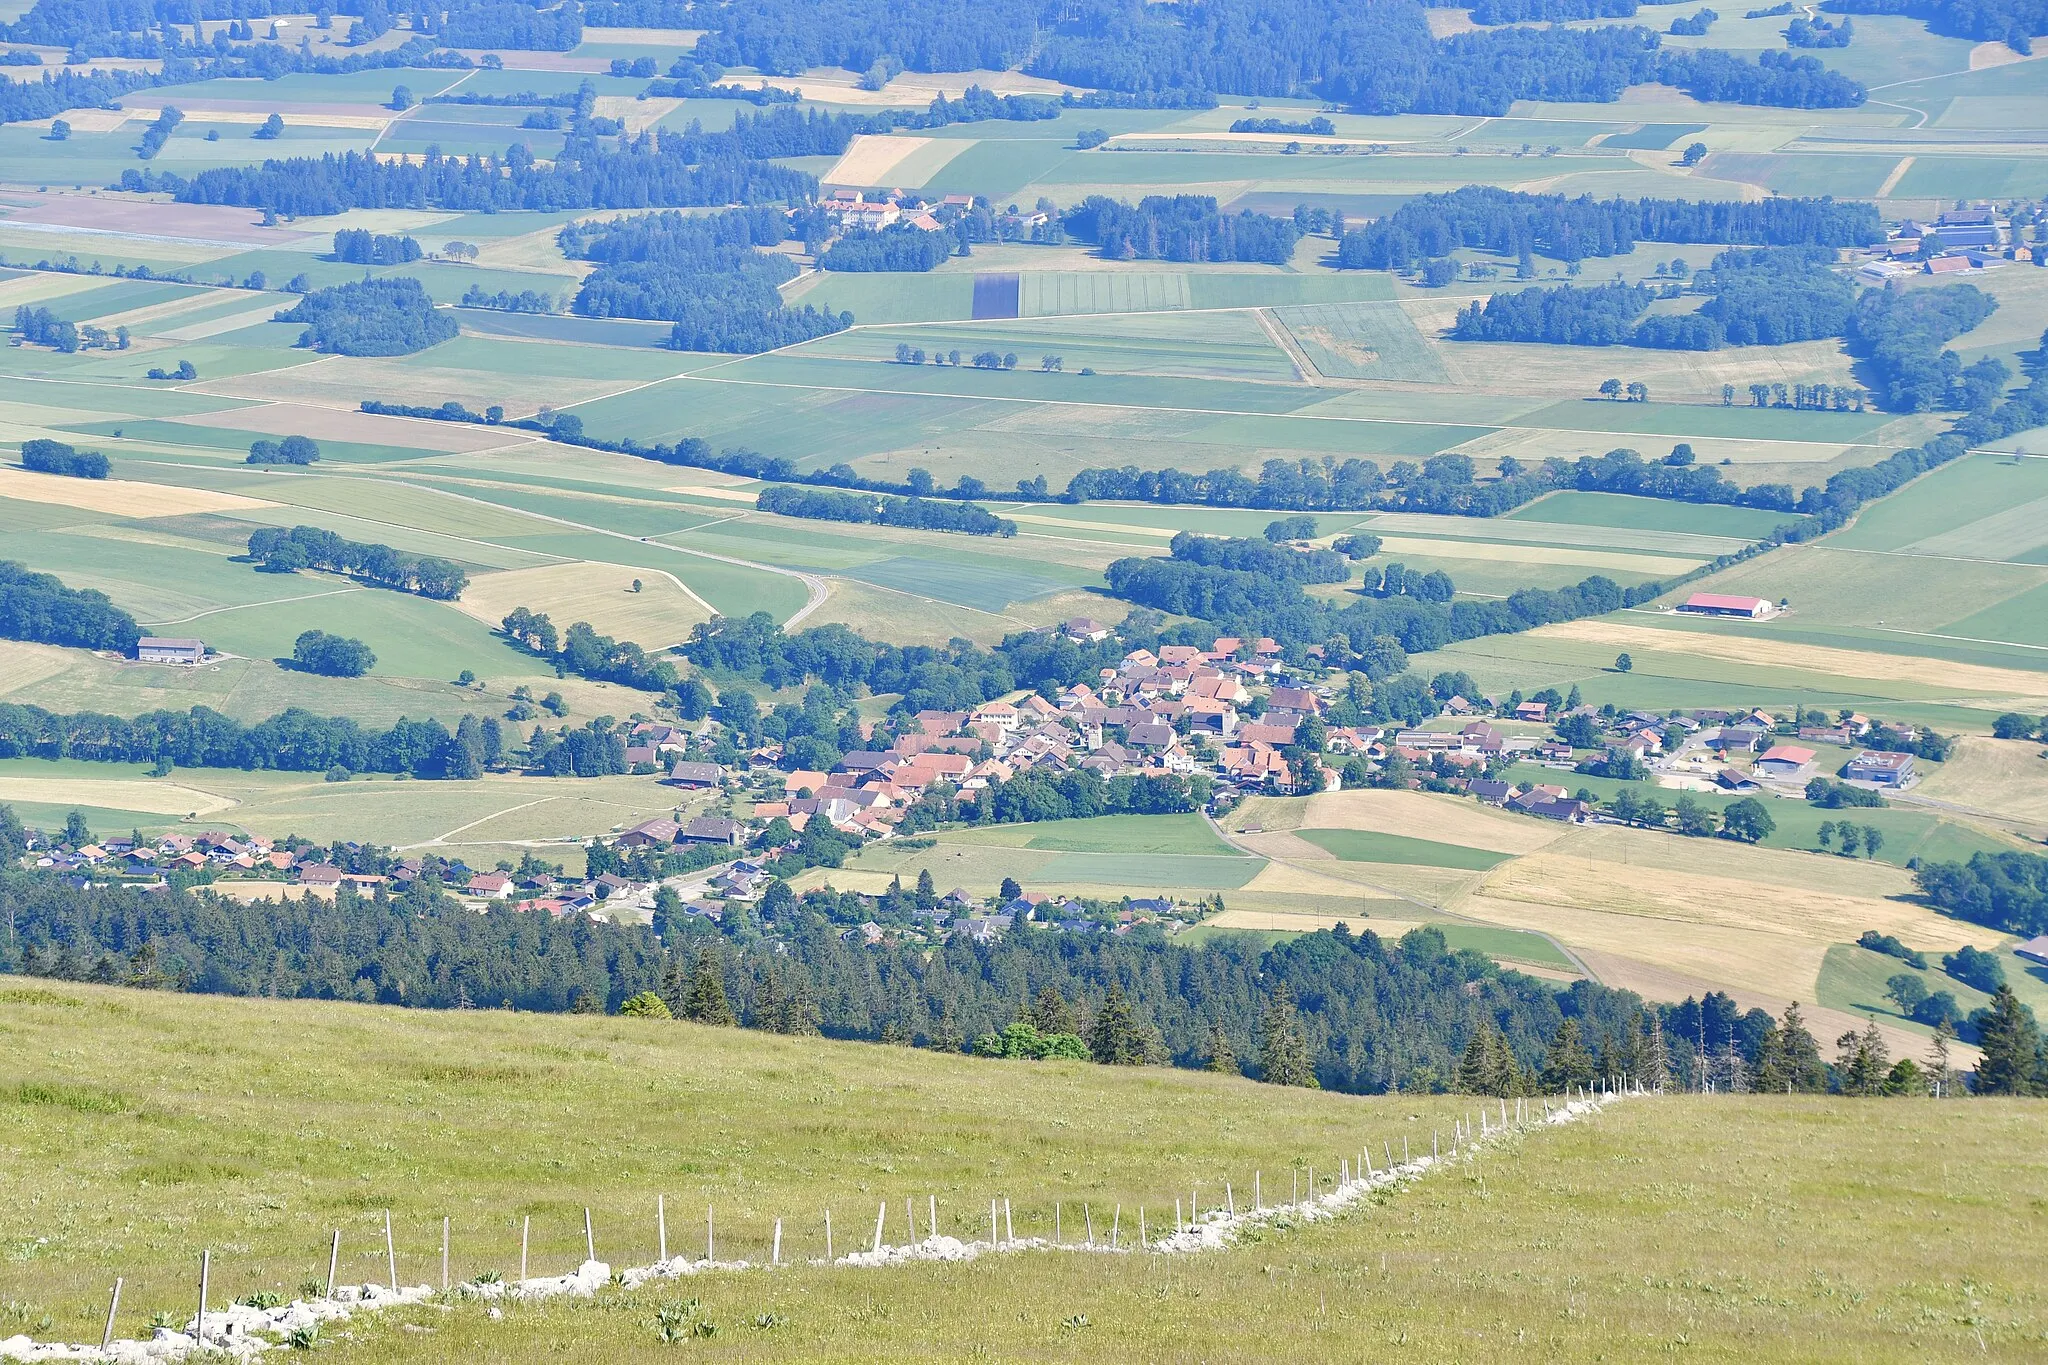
x=881, y=1212
x=333, y=1260
x=1009, y=1228
x=661, y=1225
x=1116, y=1224
x=525, y=1230
x=910, y=1222
x=390, y=1252
x=589, y=1237
x=828, y=1236
x=205, y=1274
x=1088, y=1217
x=1229, y=1199
x=1258, y=1195
x=1058, y=1238
x=1178, y=1221
x=710, y=1241
x=107, y=1337
x=931, y=1215
x=1144, y=1240
x=444, y=1253
x=775, y=1256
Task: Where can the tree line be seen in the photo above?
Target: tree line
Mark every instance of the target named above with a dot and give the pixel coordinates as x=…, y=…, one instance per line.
x=45, y=456
x=1904, y=334
x=360, y=246
x=1512, y=223
x=277, y=550
x=1181, y=227
x=1765, y=296
x=38, y=607
x=659, y=168
x=2003, y=891
x=371, y=317
x=898, y=247
x=584, y=652
x=919, y=513
x=701, y=273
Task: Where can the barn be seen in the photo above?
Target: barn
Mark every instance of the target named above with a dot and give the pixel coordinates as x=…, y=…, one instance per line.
x=1720, y=604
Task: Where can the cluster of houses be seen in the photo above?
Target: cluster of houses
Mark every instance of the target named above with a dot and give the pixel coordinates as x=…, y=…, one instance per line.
x=126, y=855
x=1962, y=239
x=852, y=210
x=1742, y=754
x=959, y=915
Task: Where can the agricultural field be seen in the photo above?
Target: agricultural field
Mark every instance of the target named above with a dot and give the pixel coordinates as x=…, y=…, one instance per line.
x=1654, y=913
x=156, y=1160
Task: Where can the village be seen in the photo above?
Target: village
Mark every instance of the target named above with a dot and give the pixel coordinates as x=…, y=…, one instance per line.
x=1178, y=728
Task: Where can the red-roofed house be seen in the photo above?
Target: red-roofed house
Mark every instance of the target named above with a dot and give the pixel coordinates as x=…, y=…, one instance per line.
x=1785, y=760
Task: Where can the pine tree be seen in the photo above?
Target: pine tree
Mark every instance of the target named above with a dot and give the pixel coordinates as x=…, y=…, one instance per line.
x=706, y=1003
x=1222, y=1056
x=1488, y=1066
x=1050, y=1014
x=674, y=993
x=1863, y=1061
x=1283, y=1045
x=1942, y=1077
x=1653, y=1058
x=1789, y=1057
x=1567, y=1063
x=1116, y=1038
x=2011, y=1041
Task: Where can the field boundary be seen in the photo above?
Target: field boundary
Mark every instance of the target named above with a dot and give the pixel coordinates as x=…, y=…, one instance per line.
x=243, y=1332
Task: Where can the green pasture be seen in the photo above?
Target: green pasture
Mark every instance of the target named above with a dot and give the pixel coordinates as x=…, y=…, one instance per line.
x=1651, y=137
x=887, y=298
x=1371, y=846
x=1855, y=978
x=1179, y=835
x=985, y=587
x=189, y=437
x=1624, y=512
x=1945, y=504
x=1206, y=345
x=2022, y=619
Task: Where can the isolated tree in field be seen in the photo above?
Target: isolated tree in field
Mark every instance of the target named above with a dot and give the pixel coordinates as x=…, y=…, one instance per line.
x=706, y=1002
x=1624, y=664
x=1849, y=837
x=1907, y=991
x=1693, y=155
x=270, y=129
x=1825, y=835
x=1748, y=821
x=333, y=656
x=1222, y=1056
x=1117, y=1038
x=1284, y=1057
x=1610, y=388
x=59, y=130
x=1567, y=1063
x=2012, y=1062
x=401, y=98
x=1873, y=840
x=1788, y=1057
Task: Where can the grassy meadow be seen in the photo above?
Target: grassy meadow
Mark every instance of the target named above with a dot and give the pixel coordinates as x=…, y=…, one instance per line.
x=1765, y=1228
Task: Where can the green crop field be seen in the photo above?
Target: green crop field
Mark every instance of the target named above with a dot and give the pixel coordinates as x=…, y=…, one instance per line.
x=1367, y=846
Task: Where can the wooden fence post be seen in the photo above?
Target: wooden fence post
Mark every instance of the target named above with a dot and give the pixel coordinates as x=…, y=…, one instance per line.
x=1088, y=1216
x=1258, y=1195
x=710, y=1239
x=525, y=1230
x=775, y=1256
x=390, y=1252
x=881, y=1212
x=1116, y=1223
x=1009, y=1228
x=828, y=1236
x=333, y=1260
x=661, y=1226
x=113, y=1307
x=589, y=1237
x=444, y=1253
x=205, y=1274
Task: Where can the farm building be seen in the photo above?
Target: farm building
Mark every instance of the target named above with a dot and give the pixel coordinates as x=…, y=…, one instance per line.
x=2034, y=950
x=1720, y=604
x=1947, y=265
x=152, y=649
x=687, y=773
x=1876, y=765
x=1785, y=760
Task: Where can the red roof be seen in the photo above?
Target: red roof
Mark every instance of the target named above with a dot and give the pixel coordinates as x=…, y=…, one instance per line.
x=1786, y=753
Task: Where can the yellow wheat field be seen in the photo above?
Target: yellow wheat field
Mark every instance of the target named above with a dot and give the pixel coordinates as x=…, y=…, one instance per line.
x=121, y=497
